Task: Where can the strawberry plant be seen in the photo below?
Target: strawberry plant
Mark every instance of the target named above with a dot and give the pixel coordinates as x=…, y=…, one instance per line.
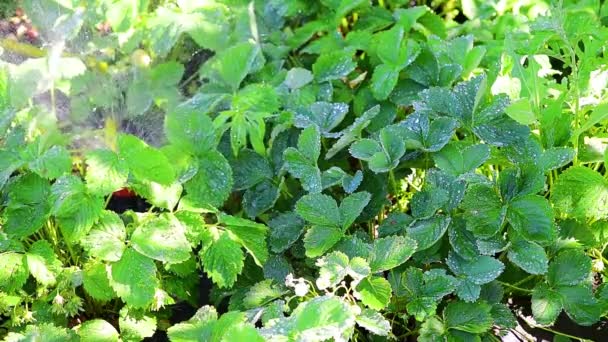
x=304, y=171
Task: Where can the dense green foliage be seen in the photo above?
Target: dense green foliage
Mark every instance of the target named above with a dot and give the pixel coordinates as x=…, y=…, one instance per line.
x=339, y=169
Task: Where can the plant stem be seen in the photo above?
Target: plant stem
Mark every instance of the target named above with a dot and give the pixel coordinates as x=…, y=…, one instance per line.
x=515, y=287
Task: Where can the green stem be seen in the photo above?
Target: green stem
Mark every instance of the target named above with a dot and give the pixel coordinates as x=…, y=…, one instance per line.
x=515, y=287
x=392, y=182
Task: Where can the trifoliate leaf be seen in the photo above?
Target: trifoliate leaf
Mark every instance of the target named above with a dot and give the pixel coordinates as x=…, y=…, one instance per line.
x=319, y=239
x=390, y=252
x=365, y=149
x=251, y=235
x=426, y=202
x=457, y=161
x=145, y=163
x=162, y=239
x=212, y=184
x=135, y=326
x=467, y=290
x=222, y=260
x=532, y=217
x=546, y=304
x=569, y=267
x=105, y=172
x=470, y=317
x=430, y=136
x=373, y=322
x=335, y=266
x=98, y=330
x=325, y=115
x=333, y=65
x=581, y=193
x=375, y=292
x=556, y=157
x=480, y=270
x=484, y=211
x=462, y=241
x=96, y=282
x=428, y=231
x=529, y=256
x=134, y=279
x=106, y=240
x=285, y=229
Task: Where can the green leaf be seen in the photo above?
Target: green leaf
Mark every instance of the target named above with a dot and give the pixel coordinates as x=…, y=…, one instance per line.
x=335, y=266
x=285, y=230
x=456, y=160
x=27, y=208
x=325, y=115
x=190, y=130
x=96, y=282
x=353, y=132
x=74, y=208
x=145, y=162
x=320, y=319
x=297, y=78
x=390, y=252
x=232, y=65
x=546, y=304
x=319, y=209
x=135, y=326
x=9, y=162
x=430, y=136
x=470, y=317
x=569, y=267
x=260, y=198
x=319, y=239
x=213, y=182
x=426, y=202
x=106, y=173
x=199, y=326
x=432, y=330
x=365, y=149
x=373, y=322
x=13, y=271
x=480, y=270
x=580, y=304
x=162, y=239
x=98, y=330
x=375, y=292
x=426, y=232
x=251, y=235
x=529, y=256
x=222, y=259
x=333, y=65
x=53, y=163
x=556, y=157
x=42, y=262
x=384, y=80
x=352, y=206
x=581, y=193
x=484, y=211
x=302, y=162
x=106, y=240
x=250, y=169
x=134, y=279
x=532, y=217
x=262, y=293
